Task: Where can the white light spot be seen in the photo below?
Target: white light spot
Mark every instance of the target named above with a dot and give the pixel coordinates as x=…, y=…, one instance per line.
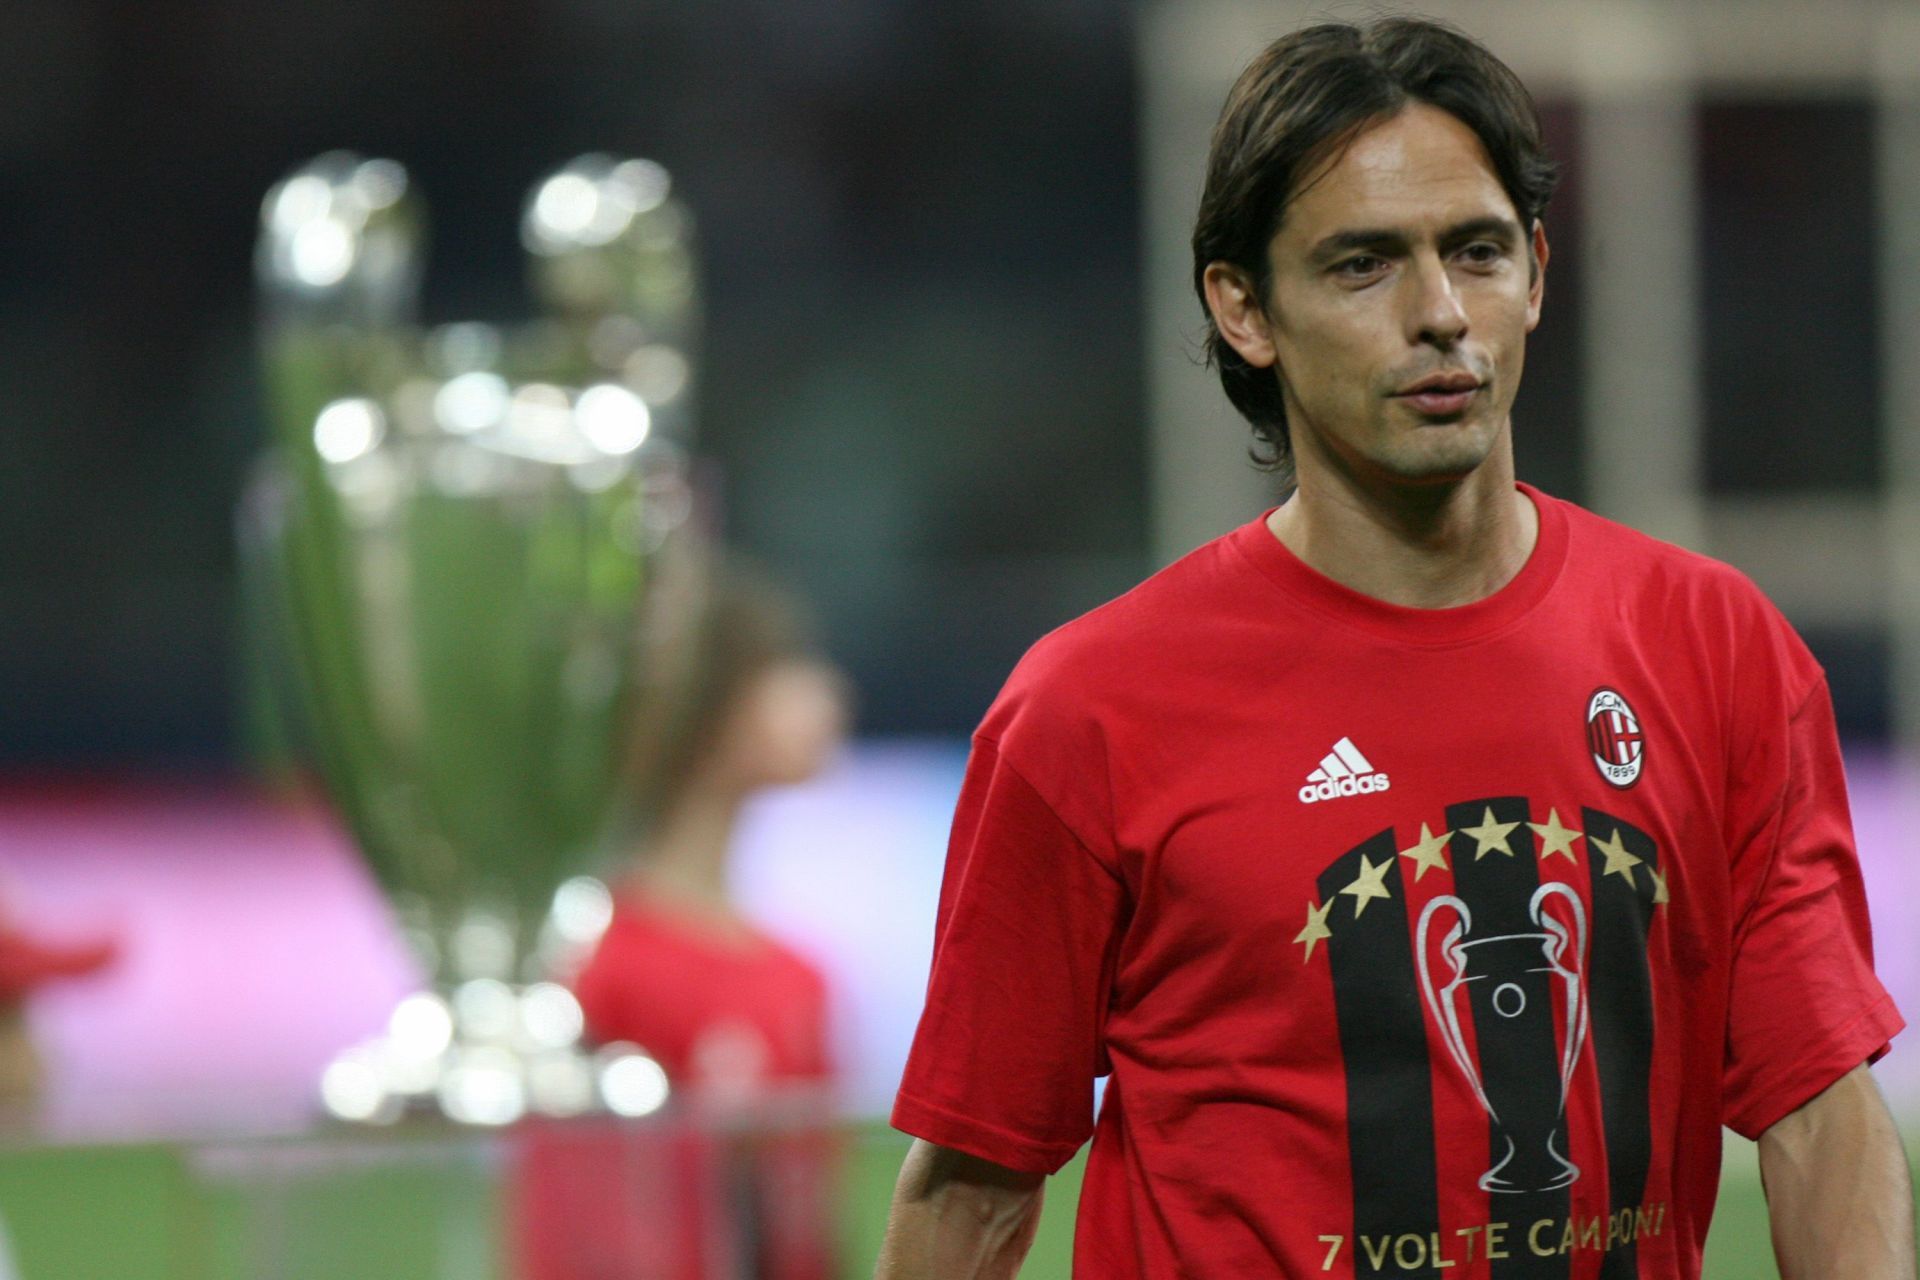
x=411, y=1077
x=350, y=1088
x=347, y=429
x=483, y=945
x=643, y=183
x=321, y=252
x=540, y=424
x=566, y=205
x=300, y=200
x=380, y=183
x=485, y=1088
x=421, y=1027
x=550, y=1015
x=471, y=402
x=582, y=909
x=541, y=401
x=486, y=1009
x=612, y=418
x=632, y=1084
x=612, y=217
x=658, y=373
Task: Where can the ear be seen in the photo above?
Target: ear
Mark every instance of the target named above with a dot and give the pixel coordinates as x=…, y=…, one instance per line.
x=1536, y=275
x=1237, y=313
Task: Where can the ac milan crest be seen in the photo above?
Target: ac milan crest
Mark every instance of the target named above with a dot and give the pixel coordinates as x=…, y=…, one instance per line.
x=1614, y=738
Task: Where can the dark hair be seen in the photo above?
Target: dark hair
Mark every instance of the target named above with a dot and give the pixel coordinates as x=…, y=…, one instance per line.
x=736, y=622
x=1309, y=93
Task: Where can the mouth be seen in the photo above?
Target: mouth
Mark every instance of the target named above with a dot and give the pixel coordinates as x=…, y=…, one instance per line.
x=1442, y=395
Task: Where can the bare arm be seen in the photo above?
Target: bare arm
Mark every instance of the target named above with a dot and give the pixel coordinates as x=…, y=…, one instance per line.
x=1839, y=1192
x=958, y=1217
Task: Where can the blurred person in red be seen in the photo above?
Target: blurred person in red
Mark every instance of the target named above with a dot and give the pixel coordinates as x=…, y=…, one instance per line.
x=737, y=1019
x=680, y=970
x=26, y=964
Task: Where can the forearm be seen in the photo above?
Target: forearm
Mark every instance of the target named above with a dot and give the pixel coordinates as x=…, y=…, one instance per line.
x=1839, y=1191
x=954, y=1218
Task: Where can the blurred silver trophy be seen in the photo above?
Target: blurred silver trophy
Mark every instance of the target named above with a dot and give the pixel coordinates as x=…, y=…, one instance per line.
x=467, y=546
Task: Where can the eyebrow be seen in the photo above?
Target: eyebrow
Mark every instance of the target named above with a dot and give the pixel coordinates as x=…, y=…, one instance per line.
x=1503, y=229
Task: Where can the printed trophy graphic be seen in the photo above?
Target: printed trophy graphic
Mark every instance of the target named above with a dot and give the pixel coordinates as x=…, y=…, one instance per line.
x=465, y=552
x=1506, y=986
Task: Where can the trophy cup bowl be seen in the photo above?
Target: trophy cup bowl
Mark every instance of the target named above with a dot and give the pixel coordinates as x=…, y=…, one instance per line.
x=469, y=548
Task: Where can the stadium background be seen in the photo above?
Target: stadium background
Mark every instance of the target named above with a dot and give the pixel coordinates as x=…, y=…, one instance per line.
x=948, y=391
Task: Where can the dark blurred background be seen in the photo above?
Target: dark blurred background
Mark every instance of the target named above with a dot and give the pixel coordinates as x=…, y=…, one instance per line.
x=922, y=389
x=924, y=397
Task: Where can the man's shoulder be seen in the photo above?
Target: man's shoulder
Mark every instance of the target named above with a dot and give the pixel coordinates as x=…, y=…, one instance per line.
x=1632, y=559
x=1692, y=598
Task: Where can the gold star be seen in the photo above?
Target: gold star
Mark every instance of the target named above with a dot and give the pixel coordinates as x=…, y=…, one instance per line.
x=1316, y=928
x=1619, y=861
x=1367, y=885
x=1429, y=853
x=1555, y=838
x=1491, y=835
x=1659, y=887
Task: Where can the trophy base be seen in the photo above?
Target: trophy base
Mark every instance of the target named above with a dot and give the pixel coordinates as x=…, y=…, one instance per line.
x=1514, y=1176
x=487, y=1055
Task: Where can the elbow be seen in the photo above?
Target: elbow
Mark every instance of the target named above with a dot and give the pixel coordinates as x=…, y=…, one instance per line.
x=978, y=1189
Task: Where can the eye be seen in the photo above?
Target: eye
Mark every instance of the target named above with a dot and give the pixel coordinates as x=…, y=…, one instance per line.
x=1483, y=253
x=1359, y=266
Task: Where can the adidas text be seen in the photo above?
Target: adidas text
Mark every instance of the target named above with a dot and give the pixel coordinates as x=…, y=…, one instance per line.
x=1344, y=787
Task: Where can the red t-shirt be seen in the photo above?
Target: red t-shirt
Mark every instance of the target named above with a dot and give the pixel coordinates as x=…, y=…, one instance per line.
x=1415, y=942
x=716, y=1007
x=739, y=1177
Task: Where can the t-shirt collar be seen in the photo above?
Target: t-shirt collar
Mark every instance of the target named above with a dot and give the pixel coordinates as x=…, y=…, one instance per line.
x=1404, y=624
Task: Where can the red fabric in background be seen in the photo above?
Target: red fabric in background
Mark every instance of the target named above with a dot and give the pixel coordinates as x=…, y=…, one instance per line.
x=713, y=1004
x=601, y=1197
x=736, y=1019
x=27, y=963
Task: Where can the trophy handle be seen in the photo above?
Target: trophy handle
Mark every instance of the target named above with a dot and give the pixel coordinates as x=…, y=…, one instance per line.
x=1440, y=1002
x=1574, y=978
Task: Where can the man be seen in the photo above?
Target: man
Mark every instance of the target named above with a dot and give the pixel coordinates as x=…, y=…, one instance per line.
x=1431, y=866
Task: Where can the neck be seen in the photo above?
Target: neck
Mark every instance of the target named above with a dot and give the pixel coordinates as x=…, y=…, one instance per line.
x=1429, y=546
x=685, y=860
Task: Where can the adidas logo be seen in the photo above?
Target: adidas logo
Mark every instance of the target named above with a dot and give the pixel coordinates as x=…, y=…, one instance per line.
x=1343, y=772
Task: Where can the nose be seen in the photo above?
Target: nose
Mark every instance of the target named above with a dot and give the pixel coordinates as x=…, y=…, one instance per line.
x=1437, y=316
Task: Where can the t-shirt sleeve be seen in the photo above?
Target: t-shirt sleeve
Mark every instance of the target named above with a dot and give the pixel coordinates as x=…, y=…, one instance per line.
x=1003, y=1062
x=1805, y=1007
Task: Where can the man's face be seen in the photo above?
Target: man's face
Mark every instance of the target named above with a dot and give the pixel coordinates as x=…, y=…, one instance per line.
x=1401, y=263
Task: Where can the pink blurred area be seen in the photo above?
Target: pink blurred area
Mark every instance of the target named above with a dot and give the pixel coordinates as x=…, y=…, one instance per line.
x=255, y=945
x=1886, y=817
